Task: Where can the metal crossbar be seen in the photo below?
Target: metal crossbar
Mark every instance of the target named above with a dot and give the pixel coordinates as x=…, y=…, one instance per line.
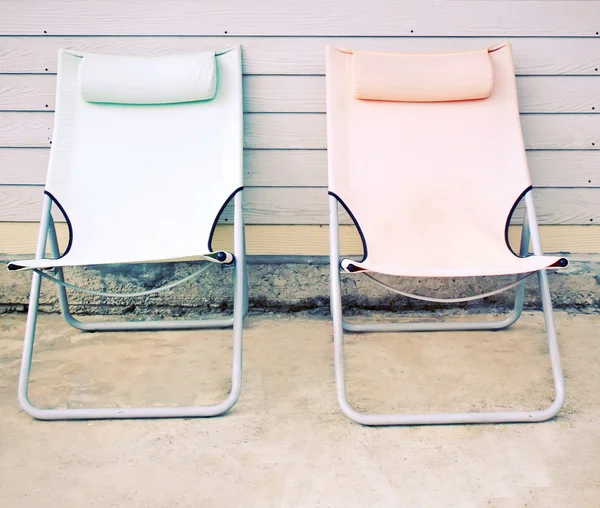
x=171, y=285
x=446, y=300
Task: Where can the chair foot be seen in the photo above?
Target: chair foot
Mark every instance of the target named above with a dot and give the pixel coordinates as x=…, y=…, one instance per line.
x=451, y=418
x=121, y=413
x=128, y=413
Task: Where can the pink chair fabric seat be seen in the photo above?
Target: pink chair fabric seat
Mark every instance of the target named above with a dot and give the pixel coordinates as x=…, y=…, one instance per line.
x=426, y=153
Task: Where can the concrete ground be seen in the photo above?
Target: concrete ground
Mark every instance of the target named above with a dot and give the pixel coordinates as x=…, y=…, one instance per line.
x=286, y=444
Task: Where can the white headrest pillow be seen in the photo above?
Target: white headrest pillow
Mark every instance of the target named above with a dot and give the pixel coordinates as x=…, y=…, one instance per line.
x=148, y=80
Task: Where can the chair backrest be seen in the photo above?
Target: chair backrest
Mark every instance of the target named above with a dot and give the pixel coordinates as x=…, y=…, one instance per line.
x=426, y=150
x=146, y=152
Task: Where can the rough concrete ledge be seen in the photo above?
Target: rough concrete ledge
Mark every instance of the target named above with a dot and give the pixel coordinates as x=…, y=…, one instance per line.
x=284, y=286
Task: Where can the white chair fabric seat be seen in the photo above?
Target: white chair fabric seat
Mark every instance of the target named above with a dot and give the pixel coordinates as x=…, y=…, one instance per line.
x=146, y=153
x=142, y=183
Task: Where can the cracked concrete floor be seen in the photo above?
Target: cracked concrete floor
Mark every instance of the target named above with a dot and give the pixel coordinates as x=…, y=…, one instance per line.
x=285, y=444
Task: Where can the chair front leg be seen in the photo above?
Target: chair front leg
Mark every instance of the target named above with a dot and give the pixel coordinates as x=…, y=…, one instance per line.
x=444, y=418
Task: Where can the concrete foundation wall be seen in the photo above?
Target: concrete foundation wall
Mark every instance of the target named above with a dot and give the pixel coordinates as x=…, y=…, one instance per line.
x=286, y=286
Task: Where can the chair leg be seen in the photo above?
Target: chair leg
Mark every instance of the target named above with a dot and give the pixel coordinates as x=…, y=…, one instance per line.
x=447, y=418
x=435, y=418
x=113, y=326
x=246, y=307
x=505, y=322
x=510, y=319
x=150, y=412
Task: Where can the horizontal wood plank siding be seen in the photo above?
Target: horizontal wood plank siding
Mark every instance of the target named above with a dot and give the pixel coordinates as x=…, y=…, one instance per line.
x=303, y=55
x=305, y=240
x=306, y=94
x=556, y=48
x=308, y=168
x=309, y=205
x=389, y=18
x=308, y=131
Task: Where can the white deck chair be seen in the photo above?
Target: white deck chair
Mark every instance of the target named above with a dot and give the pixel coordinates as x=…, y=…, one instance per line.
x=146, y=153
x=427, y=157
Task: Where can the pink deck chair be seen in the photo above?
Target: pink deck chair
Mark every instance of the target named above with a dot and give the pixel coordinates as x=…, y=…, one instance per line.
x=426, y=155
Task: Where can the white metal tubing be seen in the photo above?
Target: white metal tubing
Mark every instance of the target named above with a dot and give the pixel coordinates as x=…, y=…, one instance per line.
x=559, y=382
x=430, y=327
x=114, y=326
x=434, y=418
x=34, y=297
x=62, y=292
x=240, y=292
x=152, y=412
x=244, y=257
x=523, y=251
x=510, y=319
x=336, y=306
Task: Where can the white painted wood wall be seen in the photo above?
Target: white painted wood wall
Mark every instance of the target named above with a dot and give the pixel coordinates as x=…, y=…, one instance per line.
x=556, y=47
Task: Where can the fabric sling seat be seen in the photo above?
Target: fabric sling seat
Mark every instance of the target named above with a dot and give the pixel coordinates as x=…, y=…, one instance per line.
x=426, y=154
x=135, y=163
x=146, y=154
